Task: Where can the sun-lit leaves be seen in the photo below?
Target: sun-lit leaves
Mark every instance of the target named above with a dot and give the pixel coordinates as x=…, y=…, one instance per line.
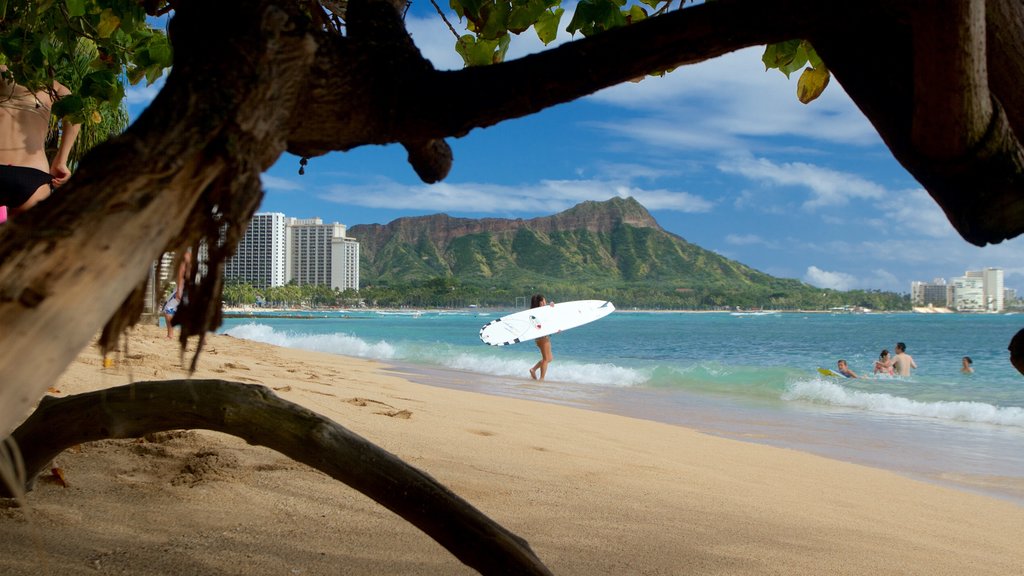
x=481, y=52
x=792, y=55
x=812, y=83
x=45, y=41
x=547, y=25
x=593, y=16
x=109, y=22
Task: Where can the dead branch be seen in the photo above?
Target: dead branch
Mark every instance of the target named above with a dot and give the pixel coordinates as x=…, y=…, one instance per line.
x=257, y=415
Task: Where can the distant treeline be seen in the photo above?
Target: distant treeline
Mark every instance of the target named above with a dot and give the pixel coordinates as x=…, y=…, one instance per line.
x=448, y=292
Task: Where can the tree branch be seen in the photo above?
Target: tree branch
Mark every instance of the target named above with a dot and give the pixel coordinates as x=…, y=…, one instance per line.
x=257, y=415
x=979, y=188
x=420, y=102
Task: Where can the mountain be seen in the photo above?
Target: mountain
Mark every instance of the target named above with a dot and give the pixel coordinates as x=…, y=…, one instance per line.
x=616, y=242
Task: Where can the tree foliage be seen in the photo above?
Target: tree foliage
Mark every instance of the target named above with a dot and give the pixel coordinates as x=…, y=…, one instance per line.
x=91, y=46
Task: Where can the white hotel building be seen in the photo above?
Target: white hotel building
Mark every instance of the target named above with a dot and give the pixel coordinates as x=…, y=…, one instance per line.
x=975, y=291
x=277, y=250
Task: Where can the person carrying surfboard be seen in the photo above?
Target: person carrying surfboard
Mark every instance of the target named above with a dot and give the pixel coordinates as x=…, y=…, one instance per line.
x=543, y=343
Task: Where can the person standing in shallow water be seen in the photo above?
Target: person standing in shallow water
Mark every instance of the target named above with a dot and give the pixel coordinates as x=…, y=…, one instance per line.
x=543, y=343
x=967, y=365
x=26, y=175
x=903, y=362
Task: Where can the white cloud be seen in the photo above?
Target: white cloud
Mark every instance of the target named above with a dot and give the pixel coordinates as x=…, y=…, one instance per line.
x=915, y=212
x=545, y=196
x=727, y=102
x=827, y=187
x=749, y=240
x=824, y=279
x=278, y=183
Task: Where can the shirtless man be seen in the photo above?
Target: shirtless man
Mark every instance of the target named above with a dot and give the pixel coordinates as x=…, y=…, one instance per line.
x=903, y=362
x=26, y=176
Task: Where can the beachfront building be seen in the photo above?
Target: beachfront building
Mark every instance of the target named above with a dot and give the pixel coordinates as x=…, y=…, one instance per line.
x=277, y=250
x=260, y=259
x=975, y=291
x=321, y=253
x=936, y=294
x=344, y=263
x=994, y=290
x=969, y=294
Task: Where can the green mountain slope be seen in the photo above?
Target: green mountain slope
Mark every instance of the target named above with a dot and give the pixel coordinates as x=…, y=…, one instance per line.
x=611, y=243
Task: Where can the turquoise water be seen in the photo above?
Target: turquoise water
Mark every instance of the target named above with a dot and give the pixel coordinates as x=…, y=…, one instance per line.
x=749, y=377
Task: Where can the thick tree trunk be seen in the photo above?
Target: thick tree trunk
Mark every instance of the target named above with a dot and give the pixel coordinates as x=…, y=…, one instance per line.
x=260, y=417
x=191, y=162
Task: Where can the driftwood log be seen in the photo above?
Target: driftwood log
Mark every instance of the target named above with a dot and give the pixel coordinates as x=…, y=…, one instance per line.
x=260, y=417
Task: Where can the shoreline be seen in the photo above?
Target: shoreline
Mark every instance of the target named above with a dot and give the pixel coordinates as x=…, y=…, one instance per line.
x=593, y=493
x=829, y=436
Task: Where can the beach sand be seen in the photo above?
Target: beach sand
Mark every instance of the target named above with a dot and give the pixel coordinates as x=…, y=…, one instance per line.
x=593, y=493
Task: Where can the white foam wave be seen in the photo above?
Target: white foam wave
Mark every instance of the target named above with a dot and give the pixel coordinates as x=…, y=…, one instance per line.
x=494, y=364
x=574, y=372
x=334, y=343
x=821, y=392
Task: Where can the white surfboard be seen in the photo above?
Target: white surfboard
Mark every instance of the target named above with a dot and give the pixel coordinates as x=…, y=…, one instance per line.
x=543, y=321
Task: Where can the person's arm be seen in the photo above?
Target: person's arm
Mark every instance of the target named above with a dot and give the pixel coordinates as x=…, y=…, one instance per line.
x=68, y=134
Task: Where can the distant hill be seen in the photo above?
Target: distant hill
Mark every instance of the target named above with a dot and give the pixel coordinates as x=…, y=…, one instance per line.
x=611, y=243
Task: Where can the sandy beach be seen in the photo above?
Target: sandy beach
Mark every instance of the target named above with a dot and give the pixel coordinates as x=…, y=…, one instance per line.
x=593, y=493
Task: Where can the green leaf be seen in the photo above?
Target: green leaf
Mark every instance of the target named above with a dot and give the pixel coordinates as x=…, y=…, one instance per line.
x=547, y=25
x=76, y=8
x=502, y=49
x=474, y=51
x=780, y=54
x=470, y=9
x=525, y=14
x=593, y=16
x=69, y=106
x=636, y=14
x=799, y=61
x=109, y=22
x=496, y=23
x=812, y=56
x=811, y=84
x=102, y=85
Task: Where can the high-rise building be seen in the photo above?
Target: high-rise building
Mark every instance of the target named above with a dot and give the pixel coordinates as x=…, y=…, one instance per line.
x=277, y=250
x=344, y=263
x=969, y=293
x=320, y=253
x=261, y=257
x=975, y=291
x=994, y=293
x=991, y=288
x=936, y=294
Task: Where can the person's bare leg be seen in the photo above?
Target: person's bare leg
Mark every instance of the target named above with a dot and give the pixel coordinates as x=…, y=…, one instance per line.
x=545, y=358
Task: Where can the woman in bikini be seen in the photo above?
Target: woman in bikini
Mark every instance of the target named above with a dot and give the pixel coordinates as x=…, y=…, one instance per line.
x=543, y=343
x=26, y=175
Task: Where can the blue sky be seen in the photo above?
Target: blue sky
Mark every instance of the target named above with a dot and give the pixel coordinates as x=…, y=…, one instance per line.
x=722, y=154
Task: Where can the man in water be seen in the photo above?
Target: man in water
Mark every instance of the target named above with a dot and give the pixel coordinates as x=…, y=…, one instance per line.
x=26, y=175
x=903, y=362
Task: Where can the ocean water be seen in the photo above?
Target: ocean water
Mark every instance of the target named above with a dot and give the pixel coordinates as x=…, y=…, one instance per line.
x=750, y=377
